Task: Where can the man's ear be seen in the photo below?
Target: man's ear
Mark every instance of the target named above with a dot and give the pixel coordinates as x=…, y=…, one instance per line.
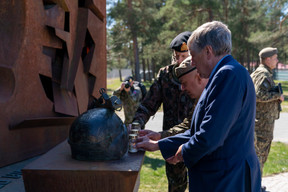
x=208, y=51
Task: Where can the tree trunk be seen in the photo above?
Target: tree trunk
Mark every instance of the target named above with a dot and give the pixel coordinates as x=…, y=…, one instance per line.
x=281, y=22
x=253, y=62
x=211, y=16
x=144, y=69
x=248, y=59
x=153, y=68
x=119, y=64
x=135, y=42
x=120, y=75
x=136, y=58
x=149, y=70
x=226, y=10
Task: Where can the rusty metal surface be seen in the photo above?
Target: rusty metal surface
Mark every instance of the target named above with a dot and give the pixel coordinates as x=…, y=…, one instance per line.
x=38, y=122
x=97, y=7
x=81, y=89
x=45, y=47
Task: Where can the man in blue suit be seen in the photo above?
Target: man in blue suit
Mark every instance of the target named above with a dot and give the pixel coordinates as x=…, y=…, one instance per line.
x=218, y=150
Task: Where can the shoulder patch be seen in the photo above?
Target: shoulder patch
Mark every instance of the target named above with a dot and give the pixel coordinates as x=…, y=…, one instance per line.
x=266, y=84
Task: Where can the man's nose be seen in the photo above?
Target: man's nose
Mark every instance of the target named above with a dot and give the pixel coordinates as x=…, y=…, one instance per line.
x=179, y=60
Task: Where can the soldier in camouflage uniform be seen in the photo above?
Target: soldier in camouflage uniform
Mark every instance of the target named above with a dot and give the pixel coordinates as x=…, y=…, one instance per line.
x=193, y=85
x=130, y=97
x=267, y=103
x=177, y=104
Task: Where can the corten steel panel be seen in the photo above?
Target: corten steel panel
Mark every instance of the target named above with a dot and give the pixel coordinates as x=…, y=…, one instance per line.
x=64, y=101
x=81, y=89
x=57, y=171
x=97, y=30
x=97, y=7
x=55, y=17
x=42, y=44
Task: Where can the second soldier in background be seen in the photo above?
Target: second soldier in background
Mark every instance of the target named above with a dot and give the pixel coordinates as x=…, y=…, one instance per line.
x=268, y=101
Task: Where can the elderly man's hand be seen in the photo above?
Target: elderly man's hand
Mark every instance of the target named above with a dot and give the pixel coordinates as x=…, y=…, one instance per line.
x=282, y=98
x=177, y=157
x=147, y=144
x=150, y=134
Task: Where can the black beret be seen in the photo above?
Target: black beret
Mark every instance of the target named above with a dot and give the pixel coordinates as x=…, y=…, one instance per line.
x=179, y=43
x=268, y=52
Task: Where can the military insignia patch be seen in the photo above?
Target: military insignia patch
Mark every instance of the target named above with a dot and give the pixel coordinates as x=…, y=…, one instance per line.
x=184, y=47
x=266, y=84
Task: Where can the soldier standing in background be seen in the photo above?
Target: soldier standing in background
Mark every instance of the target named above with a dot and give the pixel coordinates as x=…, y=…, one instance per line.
x=177, y=104
x=130, y=94
x=268, y=100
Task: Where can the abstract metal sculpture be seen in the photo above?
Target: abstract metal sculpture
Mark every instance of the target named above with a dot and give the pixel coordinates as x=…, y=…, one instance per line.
x=52, y=62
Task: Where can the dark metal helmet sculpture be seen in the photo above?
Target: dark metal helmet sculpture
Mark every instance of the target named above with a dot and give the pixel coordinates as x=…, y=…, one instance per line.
x=99, y=134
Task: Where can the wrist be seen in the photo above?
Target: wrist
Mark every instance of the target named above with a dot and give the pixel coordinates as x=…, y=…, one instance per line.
x=155, y=146
x=179, y=155
x=158, y=136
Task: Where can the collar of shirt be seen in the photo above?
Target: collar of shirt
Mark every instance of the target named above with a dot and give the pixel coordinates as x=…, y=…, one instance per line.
x=266, y=67
x=214, y=69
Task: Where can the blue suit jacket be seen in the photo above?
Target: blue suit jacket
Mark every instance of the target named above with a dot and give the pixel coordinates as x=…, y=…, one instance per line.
x=219, y=148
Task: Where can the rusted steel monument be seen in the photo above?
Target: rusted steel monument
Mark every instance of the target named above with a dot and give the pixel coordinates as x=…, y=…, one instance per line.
x=52, y=62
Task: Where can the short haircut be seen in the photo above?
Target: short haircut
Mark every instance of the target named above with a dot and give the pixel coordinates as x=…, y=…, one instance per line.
x=216, y=34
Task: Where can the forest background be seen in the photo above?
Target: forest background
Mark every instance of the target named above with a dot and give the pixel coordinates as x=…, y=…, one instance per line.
x=139, y=31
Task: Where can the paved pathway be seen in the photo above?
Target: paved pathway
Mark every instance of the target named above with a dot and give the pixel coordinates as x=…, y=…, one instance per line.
x=281, y=129
x=276, y=183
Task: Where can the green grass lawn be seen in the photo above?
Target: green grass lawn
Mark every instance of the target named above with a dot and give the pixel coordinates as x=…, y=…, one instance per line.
x=277, y=161
x=153, y=174
x=112, y=84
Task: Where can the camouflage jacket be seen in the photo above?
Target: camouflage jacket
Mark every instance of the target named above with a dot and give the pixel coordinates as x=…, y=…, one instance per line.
x=180, y=128
x=267, y=101
x=130, y=101
x=165, y=89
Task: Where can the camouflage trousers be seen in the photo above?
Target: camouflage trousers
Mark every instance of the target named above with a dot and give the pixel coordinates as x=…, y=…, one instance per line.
x=264, y=136
x=177, y=177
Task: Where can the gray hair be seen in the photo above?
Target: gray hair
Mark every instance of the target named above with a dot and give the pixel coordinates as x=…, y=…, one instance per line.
x=216, y=34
